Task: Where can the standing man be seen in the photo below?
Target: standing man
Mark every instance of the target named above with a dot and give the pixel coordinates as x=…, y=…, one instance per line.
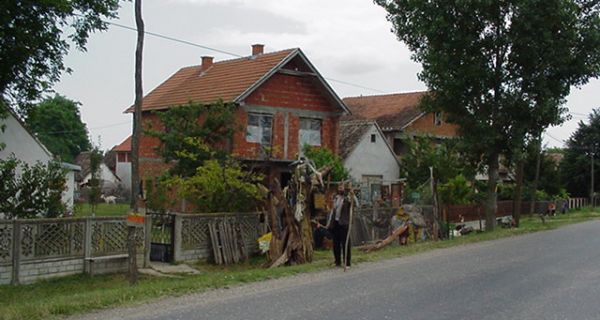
x=338, y=222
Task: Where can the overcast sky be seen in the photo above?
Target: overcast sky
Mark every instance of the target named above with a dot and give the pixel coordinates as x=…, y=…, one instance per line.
x=347, y=40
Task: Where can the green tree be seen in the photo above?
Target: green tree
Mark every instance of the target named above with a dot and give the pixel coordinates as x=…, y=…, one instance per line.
x=36, y=35
x=193, y=133
x=95, y=184
x=221, y=187
x=576, y=165
x=324, y=157
x=57, y=123
x=499, y=69
x=444, y=156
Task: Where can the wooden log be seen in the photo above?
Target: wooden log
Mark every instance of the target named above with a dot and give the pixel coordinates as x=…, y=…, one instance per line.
x=386, y=241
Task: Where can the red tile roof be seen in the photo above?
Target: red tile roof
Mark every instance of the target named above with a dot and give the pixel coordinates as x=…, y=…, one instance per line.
x=351, y=133
x=391, y=111
x=226, y=79
x=124, y=146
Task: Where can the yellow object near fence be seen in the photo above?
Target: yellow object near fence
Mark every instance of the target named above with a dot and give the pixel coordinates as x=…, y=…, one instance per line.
x=264, y=242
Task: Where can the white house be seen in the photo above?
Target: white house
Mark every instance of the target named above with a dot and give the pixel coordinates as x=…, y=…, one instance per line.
x=109, y=182
x=26, y=147
x=368, y=156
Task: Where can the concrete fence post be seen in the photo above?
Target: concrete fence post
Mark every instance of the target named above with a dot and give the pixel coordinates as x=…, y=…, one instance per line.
x=87, y=244
x=177, y=238
x=16, y=257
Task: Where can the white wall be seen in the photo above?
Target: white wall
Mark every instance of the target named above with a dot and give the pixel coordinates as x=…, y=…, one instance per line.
x=370, y=158
x=69, y=193
x=105, y=175
x=123, y=170
x=26, y=148
x=20, y=143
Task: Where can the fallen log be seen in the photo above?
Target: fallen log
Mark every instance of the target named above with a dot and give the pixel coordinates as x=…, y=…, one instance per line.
x=380, y=244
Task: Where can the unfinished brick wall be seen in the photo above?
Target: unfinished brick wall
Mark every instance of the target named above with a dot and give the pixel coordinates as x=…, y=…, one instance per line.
x=425, y=125
x=289, y=94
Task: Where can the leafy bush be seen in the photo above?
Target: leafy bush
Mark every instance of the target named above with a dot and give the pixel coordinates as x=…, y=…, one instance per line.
x=221, y=187
x=322, y=157
x=29, y=191
x=456, y=191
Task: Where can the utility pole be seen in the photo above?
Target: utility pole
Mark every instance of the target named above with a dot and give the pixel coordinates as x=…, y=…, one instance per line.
x=135, y=143
x=435, y=205
x=537, y=174
x=592, y=177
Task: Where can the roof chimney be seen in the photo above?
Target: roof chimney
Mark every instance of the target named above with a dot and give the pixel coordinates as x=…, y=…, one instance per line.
x=258, y=49
x=207, y=62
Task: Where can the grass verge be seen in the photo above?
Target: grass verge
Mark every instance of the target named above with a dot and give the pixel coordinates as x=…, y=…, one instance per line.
x=78, y=294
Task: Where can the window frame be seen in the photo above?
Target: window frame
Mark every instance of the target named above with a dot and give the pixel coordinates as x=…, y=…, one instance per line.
x=300, y=130
x=260, y=128
x=438, y=118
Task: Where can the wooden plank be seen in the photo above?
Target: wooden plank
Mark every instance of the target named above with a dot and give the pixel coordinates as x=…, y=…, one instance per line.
x=215, y=242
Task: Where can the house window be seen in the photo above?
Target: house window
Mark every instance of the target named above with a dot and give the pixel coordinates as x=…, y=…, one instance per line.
x=310, y=132
x=437, y=118
x=373, y=138
x=259, y=128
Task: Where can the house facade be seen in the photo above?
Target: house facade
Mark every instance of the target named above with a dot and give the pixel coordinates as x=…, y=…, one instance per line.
x=399, y=116
x=123, y=162
x=23, y=145
x=370, y=159
x=282, y=104
x=109, y=182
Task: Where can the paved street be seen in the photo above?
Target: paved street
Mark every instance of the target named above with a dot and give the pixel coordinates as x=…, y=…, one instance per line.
x=546, y=275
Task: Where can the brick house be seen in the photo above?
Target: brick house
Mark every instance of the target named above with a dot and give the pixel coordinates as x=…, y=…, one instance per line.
x=399, y=115
x=283, y=103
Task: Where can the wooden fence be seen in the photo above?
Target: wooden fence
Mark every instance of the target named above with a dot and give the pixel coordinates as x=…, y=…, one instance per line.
x=472, y=212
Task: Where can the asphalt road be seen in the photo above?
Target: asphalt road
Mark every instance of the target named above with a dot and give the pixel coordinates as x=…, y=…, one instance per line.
x=546, y=275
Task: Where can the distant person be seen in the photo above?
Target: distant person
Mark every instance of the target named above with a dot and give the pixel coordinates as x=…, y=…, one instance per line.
x=552, y=208
x=565, y=207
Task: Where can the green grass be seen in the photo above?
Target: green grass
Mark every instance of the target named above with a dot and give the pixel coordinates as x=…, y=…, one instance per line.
x=102, y=209
x=77, y=294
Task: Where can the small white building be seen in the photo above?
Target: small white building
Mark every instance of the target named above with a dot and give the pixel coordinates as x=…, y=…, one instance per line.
x=368, y=156
x=26, y=147
x=109, y=182
x=123, y=162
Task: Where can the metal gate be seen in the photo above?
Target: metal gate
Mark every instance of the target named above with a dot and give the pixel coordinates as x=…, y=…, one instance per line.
x=161, y=237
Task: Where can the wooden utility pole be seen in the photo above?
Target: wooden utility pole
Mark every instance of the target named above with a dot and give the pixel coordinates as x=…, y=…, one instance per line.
x=592, y=177
x=135, y=142
x=435, y=226
x=537, y=175
x=517, y=203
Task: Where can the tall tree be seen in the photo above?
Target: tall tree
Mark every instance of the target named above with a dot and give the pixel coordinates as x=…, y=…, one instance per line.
x=57, y=123
x=191, y=133
x=36, y=35
x=576, y=164
x=500, y=69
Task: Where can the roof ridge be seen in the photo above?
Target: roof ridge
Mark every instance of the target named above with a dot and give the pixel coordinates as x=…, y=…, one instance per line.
x=243, y=58
x=387, y=94
x=354, y=121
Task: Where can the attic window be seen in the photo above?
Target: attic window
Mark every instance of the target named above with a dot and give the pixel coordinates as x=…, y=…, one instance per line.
x=437, y=118
x=373, y=138
x=259, y=128
x=310, y=132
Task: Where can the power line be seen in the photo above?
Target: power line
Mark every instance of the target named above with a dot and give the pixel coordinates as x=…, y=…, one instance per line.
x=95, y=128
x=158, y=35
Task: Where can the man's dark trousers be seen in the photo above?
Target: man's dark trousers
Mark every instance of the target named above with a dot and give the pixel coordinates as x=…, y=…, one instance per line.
x=339, y=241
